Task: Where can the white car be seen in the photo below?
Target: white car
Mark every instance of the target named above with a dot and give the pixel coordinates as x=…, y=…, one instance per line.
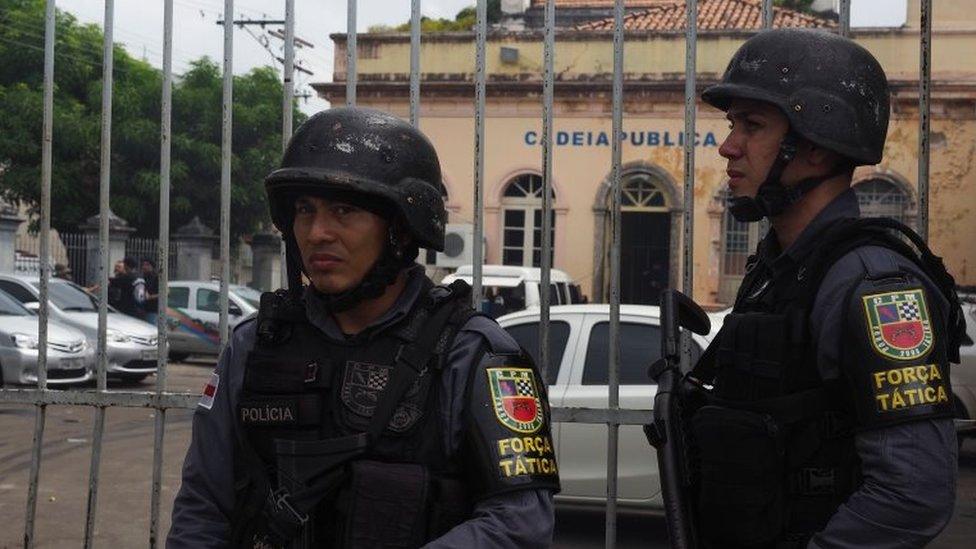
x=70, y=359
x=507, y=289
x=963, y=375
x=131, y=343
x=193, y=316
x=577, y=377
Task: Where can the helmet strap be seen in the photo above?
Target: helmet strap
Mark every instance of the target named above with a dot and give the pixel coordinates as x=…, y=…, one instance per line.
x=773, y=198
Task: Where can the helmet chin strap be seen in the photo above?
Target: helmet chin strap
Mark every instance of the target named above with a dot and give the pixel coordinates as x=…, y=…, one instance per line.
x=773, y=198
x=381, y=275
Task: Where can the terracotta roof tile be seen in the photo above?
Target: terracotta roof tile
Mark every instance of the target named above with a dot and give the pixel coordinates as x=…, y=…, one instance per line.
x=600, y=3
x=712, y=15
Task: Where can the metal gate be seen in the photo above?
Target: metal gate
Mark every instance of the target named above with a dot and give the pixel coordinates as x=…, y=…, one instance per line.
x=160, y=400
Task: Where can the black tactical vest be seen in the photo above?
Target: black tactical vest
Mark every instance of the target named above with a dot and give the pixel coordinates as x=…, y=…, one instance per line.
x=303, y=391
x=774, y=442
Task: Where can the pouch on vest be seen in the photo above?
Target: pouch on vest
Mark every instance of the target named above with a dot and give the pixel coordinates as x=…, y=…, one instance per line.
x=741, y=496
x=379, y=517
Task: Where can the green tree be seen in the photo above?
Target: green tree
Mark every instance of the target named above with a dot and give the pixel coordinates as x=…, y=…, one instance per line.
x=135, y=129
x=464, y=20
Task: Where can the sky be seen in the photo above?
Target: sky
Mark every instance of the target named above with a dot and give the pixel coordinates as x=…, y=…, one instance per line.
x=139, y=26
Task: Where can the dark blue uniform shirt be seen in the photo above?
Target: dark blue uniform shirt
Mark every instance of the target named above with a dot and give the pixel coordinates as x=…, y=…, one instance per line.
x=201, y=512
x=909, y=469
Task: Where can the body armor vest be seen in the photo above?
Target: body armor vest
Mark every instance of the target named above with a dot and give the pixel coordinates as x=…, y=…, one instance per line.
x=396, y=488
x=774, y=442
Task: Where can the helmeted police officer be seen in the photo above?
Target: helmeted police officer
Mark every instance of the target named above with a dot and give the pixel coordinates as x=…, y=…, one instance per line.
x=372, y=408
x=823, y=414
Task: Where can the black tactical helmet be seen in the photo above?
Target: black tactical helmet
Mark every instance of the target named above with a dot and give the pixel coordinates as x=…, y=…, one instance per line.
x=833, y=91
x=365, y=151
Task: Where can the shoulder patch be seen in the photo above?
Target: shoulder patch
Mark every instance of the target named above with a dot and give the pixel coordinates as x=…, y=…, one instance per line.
x=209, y=392
x=899, y=326
x=515, y=398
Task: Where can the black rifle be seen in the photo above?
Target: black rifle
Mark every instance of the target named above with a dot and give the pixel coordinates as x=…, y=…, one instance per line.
x=666, y=433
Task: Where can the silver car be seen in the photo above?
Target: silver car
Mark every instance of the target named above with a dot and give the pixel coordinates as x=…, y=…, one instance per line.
x=963, y=376
x=131, y=343
x=70, y=359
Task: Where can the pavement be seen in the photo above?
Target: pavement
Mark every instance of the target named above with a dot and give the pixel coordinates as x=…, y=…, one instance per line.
x=122, y=518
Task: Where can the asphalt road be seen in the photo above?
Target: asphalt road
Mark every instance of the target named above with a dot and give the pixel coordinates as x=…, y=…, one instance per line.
x=122, y=518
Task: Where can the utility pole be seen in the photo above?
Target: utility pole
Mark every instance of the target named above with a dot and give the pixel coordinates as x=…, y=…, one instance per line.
x=263, y=41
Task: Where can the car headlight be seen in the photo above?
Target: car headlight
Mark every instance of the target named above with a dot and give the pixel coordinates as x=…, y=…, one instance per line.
x=24, y=341
x=117, y=337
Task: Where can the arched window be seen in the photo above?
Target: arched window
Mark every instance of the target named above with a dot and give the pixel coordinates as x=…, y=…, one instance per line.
x=739, y=240
x=522, y=216
x=881, y=198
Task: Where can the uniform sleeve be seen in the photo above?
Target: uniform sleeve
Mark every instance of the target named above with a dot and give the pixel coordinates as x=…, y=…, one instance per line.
x=522, y=517
x=201, y=512
x=881, y=327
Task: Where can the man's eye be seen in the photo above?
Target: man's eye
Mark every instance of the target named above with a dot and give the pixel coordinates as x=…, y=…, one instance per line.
x=343, y=209
x=303, y=208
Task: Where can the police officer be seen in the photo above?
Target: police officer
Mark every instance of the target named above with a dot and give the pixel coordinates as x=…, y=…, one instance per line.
x=370, y=408
x=823, y=412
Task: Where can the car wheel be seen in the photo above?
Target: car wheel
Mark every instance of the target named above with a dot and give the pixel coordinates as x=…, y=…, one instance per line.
x=178, y=357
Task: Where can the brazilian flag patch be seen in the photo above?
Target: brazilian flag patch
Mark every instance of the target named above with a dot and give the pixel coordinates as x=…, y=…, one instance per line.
x=515, y=398
x=898, y=324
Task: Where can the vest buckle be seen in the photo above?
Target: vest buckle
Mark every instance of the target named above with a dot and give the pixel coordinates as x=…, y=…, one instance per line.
x=282, y=509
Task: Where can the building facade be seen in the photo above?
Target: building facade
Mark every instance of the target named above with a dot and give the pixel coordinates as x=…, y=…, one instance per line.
x=653, y=136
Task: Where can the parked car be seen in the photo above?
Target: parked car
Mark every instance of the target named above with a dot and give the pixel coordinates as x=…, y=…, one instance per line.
x=70, y=359
x=131, y=343
x=506, y=289
x=193, y=317
x=963, y=375
x=578, y=376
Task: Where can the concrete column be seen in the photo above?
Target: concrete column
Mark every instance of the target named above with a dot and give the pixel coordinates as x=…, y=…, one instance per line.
x=9, y=223
x=194, y=249
x=118, y=232
x=266, y=273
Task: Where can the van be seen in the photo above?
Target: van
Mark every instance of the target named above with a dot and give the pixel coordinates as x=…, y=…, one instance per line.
x=507, y=288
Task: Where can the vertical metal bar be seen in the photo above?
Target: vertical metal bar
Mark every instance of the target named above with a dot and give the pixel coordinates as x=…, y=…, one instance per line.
x=103, y=267
x=288, y=97
x=614, y=358
x=227, y=106
x=767, y=14
x=688, y=218
x=924, y=115
x=165, y=148
x=47, y=132
x=351, y=53
x=480, y=36
x=287, y=120
x=844, y=13
x=415, y=62
x=547, y=115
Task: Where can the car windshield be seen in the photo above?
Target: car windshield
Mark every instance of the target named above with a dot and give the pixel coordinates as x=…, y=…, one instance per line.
x=501, y=300
x=11, y=307
x=69, y=297
x=248, y=294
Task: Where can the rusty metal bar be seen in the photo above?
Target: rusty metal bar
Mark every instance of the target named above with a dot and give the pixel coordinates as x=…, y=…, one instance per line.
x=114, y=399
x=103, y=265
x=613, y=432
x=480, y=33
x=47, y=140
x=162, y=346
x=844, y=18
x=924, y=115
x=287, y=114
x=548, y=77
x=767, y=14
x=598, y=416
x=415, y=62
x=226, y=153
x=688, y=216
x=351, y=53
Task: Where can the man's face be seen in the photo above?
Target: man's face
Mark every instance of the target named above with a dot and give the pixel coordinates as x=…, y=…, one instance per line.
x=119, y=267
x=339, y=243
x=147, y=267
x=752, y=144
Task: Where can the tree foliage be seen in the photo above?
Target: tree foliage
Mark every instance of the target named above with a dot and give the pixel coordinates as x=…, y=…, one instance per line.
x=464, y=21
x=136, y=108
